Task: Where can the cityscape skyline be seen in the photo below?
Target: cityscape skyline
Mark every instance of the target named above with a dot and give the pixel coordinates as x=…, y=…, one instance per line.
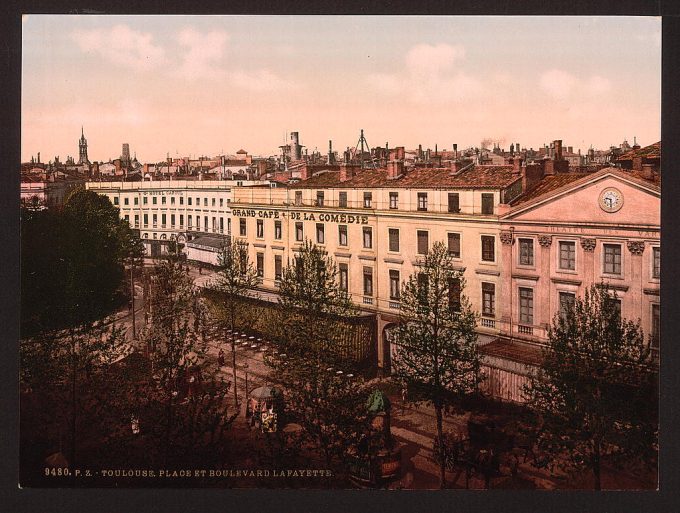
x=205, y=85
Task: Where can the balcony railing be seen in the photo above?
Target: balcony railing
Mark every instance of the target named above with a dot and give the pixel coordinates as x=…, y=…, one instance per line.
x=368, y=300
x=488, y=323
x=395, y=305
x=525, y=330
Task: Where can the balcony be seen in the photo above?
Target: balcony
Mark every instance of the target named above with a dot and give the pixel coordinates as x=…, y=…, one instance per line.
x=368, y=300
x=394, y=305
x=488, y=323
x=525, y=330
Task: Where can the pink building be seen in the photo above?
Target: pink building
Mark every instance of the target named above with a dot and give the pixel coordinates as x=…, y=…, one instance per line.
x=571, y=231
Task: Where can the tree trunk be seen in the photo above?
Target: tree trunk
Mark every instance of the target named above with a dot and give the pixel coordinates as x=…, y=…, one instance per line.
x=233, y=358
x=596, y=466
x=440, y=437
x=74, y=407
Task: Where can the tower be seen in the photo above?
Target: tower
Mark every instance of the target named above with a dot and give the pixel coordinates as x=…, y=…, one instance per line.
x=82, y=147
x=125, y=156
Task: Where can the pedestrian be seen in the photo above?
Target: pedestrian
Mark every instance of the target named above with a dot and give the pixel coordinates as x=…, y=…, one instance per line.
x=220, y=358
x=404, y=397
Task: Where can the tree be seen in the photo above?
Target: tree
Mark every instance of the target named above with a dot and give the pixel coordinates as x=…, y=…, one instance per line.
x=595, y=391
x=436, y=339
x=183, y=406
x=72, y=262
x=235, y=278
x=320, y=396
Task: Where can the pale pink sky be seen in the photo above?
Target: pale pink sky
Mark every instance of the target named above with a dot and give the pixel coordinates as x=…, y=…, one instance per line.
x=190, y=85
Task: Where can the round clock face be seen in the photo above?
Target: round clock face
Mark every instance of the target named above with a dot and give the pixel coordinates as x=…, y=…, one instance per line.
x=611, y=199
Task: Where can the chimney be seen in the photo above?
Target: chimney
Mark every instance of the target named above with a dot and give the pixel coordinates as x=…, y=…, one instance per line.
x=346, y=171
x=549, y=167
x=517, y=165
x=395, y=168
x=637, y=163
x=304, y=172
x=455, y=151
x=558, y=149
x=648, y=171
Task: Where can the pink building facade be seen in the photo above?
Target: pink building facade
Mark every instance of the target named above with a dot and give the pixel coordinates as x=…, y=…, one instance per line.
x=572, y=232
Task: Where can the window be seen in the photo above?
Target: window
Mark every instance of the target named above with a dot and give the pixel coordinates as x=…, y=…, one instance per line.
x=136, y=201
x=205, y=223
x=145, y=200
x=298, y=198
x=454, y=244
x=181, y=200
x=368, y=281
x=368, y=199
x=198, y=222
x=127, y=218
x=454, y=202
x=146, y=220
x=656, y=325
x=656, y=263
x=260, y=264
x=205, y=202
x=260, y=228
x=126, y=201
x=213, y=202
x=487, y=203
x=342, y=235
x=214, y=224
x=394, y=239
x=277, y=267
x=320, y=233
x=488, y=248
x=319, y=198
x=526, y=306
x=221, y=224
x=567, y=255
x=136, y=220
x=155, y=220
x=299, y=233
x=221, y=202
x=422, y=201
x=488, y=299
x=394, y=200
x=241, y=227
x=617, y=305
x=163, y=200
x=229, y=225
x=612, y=258
x=181, y=220
x=277, y=230
x=198, y=202
x=189, y=221
x=394, y=284
x=116, y=201
x=342, y=199
x=163, y=219
x=189, y=201
x=526, y=251
x=567, y=300
x=154, y=200
x=172, y=200
x=423, y=242
x=454, y=294
x=368, y=238
x=343, y=272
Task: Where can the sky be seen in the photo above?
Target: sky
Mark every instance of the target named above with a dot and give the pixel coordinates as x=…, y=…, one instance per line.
x=207, y=85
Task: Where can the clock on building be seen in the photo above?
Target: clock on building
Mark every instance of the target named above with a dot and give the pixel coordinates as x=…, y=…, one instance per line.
x=611, y=199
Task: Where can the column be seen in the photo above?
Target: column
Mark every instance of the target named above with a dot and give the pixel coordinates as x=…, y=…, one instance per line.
x=505, y=303
x=588, y=272
x=636, y=249
x=543, y=285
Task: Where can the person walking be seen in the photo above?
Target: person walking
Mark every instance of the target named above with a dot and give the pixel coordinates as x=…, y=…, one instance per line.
x=220, y=358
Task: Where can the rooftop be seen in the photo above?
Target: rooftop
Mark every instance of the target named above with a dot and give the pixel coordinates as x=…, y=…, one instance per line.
x=653, y=151
x=490, y=177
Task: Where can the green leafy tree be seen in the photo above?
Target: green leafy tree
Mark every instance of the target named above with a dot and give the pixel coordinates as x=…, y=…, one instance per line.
x=182, y=409
x=328, y=404
x=73, y=262
x=236, y=278
x=436, y=340
x=596, y=391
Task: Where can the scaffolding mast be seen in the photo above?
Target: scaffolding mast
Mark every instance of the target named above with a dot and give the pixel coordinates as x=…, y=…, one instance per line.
x=364, y=144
